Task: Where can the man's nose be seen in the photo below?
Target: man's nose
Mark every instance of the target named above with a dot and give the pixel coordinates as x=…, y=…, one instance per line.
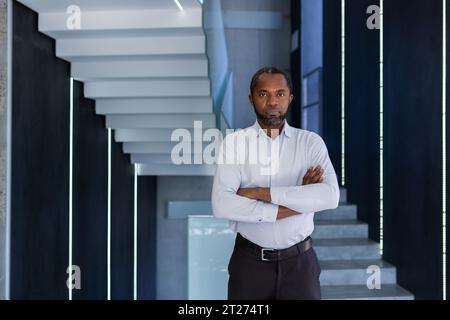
x=273, y=101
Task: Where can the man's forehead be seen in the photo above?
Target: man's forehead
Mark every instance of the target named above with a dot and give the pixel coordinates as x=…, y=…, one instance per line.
x=271, y=81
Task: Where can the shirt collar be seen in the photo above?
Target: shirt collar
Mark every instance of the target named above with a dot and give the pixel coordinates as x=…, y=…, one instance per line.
x=287, y=129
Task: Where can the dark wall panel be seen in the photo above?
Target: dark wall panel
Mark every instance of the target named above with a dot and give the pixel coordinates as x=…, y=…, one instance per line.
x=146, y=237
x=331, y=115
x=40, y=185
x=412, y=143
x=40, y=163
x=362, y=88
x=122, y=218
x=90, y=196
x=295, y=108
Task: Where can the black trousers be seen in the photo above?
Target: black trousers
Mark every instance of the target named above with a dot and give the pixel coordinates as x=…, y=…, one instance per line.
x=254, y=279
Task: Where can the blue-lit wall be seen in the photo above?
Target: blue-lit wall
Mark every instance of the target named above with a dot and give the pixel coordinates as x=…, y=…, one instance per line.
x=40, y=185
x=412, y=128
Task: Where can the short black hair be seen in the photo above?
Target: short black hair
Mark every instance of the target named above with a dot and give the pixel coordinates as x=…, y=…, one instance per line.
x=270, y=70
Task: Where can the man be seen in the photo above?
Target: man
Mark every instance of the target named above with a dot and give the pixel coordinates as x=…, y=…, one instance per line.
x=272, y=210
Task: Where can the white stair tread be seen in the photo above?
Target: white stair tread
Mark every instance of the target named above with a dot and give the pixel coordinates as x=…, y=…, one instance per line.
x=143, y=121
x=105, y=58
x=148, y=87
x=113, y=33
x=176, y=170
x=107, y=46
x=89, y=5
x=140, y=68
x=327, y=222
x=344, y=242
x=353, y=264
x=345, y=292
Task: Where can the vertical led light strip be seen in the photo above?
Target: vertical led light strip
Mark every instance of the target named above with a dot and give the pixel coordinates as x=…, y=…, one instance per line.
x=8, y=150
x=343, y=92
x=444, y=150
x=70, y=185
x=135, y=233
x=109, y=219
x=381, y=127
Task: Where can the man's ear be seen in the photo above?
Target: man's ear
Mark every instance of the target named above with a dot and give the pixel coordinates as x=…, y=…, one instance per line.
x=250, y=98
x=290, y=98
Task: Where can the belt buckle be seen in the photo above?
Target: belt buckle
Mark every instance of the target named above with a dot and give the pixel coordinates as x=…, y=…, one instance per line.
x=262, y=253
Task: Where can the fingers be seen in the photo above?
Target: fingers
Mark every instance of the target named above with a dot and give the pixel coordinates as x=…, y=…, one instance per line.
x=313, y=175
x=307, y=176
x=317, y=174
x=311, y=172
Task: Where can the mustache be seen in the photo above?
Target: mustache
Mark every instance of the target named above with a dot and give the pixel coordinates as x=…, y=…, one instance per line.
x=273, y=121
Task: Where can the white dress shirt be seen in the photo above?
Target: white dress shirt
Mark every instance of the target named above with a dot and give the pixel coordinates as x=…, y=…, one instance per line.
x=297, y=150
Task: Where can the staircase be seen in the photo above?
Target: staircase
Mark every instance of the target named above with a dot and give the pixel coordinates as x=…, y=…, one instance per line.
x=340, y=241
x=345, y=252
x=145, y=65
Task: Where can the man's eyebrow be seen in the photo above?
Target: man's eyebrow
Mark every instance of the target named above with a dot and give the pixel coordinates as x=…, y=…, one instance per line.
x=277, y=90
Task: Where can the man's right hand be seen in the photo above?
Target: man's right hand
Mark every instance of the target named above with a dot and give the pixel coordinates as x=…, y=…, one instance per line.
x=313, y=175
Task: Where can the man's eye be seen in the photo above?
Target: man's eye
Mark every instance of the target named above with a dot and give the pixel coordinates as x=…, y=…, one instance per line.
x=281, y=94
x=262, y=94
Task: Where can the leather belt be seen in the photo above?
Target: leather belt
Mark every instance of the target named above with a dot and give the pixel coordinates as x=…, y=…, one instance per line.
x=268, y=254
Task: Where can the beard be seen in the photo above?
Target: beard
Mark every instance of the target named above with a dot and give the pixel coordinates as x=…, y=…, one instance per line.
x=270, y=121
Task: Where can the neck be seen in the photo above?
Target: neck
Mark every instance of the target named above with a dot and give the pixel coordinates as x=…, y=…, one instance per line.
x=276, y=128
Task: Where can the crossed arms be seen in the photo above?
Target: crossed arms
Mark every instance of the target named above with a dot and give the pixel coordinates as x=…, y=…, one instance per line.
x=319, y=191
x=313, y=175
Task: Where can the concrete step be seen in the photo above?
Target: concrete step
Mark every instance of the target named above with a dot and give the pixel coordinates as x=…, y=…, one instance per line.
x=208, y=120
x=343, y=195
x=154, y=105
x=361, y=292
x=114, y=5
x=145, y=67
x=174, y=170
x=162, y=148
x=161, y=158
x=124, y=32
x=346, y=249
x=329, y=229
x=153, y=135
x=155, y=87
x=354, y=272
x=343, y=212
x=130, y=22
x=67, y=48
x=136, y=57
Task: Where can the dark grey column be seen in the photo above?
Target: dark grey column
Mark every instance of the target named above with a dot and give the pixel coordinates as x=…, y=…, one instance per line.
x=40, y=163
x=413, y=143
x=362, y=114
x=90, y=196
x=146, y=259
x=122, y=218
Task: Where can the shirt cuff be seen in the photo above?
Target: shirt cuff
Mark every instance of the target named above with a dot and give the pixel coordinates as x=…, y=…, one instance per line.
x=277, y=195
x=269, y=212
